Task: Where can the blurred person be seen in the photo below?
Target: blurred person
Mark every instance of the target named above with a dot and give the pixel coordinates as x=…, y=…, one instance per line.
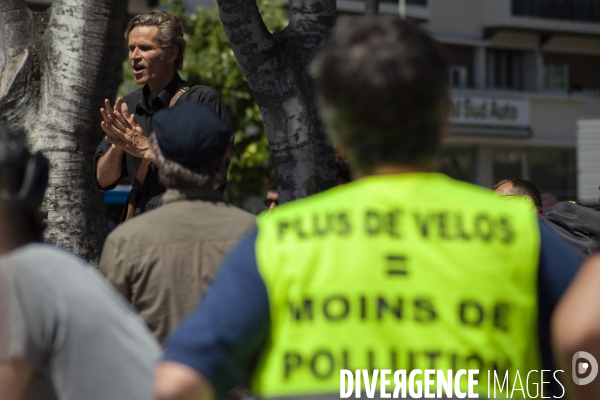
x=521, y=188
x=272, y=198
x=548, y=201
x=576, y=324
x=156, y=46
x=342, y=170
x=577, y=225
x=377, y=273
x=162, y=262
x=64, y=333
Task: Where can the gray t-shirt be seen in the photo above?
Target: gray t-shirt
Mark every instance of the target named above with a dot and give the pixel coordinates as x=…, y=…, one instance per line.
x=82, y=339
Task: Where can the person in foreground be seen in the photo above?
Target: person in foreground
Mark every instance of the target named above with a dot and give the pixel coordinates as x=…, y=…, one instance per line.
x=163, y=261
x=577, y=329
x=64, y=334
x=378, y=273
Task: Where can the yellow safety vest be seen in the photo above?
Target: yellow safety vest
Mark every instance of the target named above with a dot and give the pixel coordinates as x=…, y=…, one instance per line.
x=409, y=271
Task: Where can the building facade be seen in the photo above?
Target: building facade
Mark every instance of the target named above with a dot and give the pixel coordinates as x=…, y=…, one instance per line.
x=523, y=72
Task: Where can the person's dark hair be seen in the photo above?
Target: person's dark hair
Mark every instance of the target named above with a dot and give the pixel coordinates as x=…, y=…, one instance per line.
x=382, y=84
x=272, y=186
x=170, y=31
x=525, y=188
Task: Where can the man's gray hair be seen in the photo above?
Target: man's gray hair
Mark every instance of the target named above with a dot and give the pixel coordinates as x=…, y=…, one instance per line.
x=170, y=31
x=173, y=174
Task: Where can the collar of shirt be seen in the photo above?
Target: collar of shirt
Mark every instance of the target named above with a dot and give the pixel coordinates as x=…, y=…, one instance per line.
x=164, y=96
x=192, y=193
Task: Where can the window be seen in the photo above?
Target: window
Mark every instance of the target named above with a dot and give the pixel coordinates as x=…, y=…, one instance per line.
x=556, y=77
x=509, y=164
x=460, y=59
x=580, y=72
x=550, y=170
x=504, y=69
x=574, y=10
x=554, y=171
x=458, y=163
x=458, y=76
x=411, y=2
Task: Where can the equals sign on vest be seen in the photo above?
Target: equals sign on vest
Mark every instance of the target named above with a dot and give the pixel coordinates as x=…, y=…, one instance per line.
x=396, y=265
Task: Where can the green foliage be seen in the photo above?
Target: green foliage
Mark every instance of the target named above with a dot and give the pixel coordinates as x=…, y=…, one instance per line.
x=209, y=61
x=128, y=85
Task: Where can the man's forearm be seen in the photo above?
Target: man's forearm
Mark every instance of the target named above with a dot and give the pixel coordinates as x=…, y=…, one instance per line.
x=576, y=329
x=109, y=168
x=175, y=381
x=14, y=377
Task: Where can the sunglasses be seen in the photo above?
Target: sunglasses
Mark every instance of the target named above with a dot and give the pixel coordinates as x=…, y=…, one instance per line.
x=268, y=202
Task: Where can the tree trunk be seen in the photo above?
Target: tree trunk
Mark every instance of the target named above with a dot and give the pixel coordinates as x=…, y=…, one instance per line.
x=56, y=68
x=276, y=67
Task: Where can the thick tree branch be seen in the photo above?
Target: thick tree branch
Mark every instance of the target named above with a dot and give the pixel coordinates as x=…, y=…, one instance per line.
x=83, y=37
x=247, y=33
x=15, y=73
x=60, y=66
x=98, y=27
x=16, y=29
x=314, y=17
x=275, y=67
x=81, y=46
x=244, y=25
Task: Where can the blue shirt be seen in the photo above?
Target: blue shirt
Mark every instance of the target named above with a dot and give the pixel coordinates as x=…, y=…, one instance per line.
x=224, y=337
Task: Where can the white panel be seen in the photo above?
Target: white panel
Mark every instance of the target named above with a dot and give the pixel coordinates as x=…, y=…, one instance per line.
x=588, y=161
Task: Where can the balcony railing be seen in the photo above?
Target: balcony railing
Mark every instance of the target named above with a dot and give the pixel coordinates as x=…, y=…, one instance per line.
x=411, y=2
x=570, y=10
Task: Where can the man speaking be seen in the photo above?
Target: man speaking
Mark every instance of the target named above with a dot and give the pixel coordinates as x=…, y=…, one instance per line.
x=156, y=47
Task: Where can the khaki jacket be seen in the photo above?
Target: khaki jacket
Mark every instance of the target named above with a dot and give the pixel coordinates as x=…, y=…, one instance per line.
x=163, y=261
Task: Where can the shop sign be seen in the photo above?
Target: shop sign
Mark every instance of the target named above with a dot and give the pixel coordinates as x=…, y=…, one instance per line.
x=490, y=112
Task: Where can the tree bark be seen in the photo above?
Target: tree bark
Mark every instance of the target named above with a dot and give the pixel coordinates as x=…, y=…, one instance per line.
x=276, y=67
x=55, y=72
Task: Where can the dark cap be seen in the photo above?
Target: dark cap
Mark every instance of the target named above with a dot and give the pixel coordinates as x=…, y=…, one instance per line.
x=192, y=135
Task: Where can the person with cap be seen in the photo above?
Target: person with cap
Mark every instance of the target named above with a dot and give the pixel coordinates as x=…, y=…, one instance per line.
x=377, y=274
x=163, y=261
x=64, y=332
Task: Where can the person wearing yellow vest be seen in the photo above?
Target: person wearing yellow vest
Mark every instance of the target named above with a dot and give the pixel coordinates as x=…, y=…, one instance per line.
x=403, y=270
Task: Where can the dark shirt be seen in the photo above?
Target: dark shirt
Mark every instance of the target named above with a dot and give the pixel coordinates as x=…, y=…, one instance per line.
x=136, y=103
x=577, y=225
x=224, y=337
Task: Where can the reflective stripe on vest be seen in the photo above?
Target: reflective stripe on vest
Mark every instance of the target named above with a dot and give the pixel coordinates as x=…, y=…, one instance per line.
x=411, y=271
